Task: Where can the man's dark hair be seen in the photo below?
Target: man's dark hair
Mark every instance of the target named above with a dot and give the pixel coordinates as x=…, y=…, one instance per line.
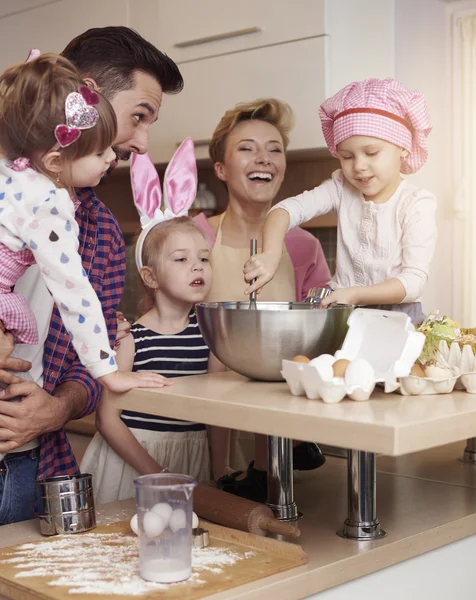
x=112, y=55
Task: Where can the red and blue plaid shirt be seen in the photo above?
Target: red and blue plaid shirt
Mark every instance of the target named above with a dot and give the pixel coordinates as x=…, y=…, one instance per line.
x=101, y=246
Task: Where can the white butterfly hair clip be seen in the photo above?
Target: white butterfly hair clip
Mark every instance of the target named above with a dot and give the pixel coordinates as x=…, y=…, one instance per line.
x=180, y=190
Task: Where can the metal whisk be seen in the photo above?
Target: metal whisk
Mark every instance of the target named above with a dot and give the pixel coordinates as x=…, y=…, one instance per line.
x=253, y=251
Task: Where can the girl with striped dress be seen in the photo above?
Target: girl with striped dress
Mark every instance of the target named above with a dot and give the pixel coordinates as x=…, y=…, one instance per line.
x=172, y=255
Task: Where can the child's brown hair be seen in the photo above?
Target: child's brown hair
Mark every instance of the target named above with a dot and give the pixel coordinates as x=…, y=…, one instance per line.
x=32, y=104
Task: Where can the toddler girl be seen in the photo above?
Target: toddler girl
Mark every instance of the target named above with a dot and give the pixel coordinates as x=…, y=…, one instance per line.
x=172, y=256
x=386, y=226
x=55, y=135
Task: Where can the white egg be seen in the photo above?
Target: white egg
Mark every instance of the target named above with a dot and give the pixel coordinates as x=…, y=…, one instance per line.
x=178, y=520
x=154, y=524
x=323, y=365
x=164, y=510
x=435, y=372
x=194, y=521
x=323, y=359
x=359, y=373
x=135, y=524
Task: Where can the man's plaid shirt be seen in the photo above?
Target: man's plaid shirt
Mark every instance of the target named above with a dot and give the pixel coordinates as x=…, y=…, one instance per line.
x=101, y=246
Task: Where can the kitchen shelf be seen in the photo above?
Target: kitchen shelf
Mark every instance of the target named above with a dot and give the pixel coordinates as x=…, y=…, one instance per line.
x=388, y=423
x=130, y=227
x=329, y=220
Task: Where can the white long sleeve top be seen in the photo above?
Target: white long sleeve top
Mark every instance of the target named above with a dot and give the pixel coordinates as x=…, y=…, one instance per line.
x=375, y=242
x=38, y=218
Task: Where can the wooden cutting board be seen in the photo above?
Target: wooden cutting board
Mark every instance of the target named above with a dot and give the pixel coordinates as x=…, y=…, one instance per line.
x=105, y=563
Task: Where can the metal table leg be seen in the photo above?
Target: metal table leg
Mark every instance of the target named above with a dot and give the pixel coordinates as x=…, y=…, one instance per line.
x=469, y=454
x=361, y=522
x=280, y=479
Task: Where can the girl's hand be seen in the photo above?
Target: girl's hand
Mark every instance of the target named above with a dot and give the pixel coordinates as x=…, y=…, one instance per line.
x=123, y=328
x=6, y=344
x=261, y=267
x=341, y=296
x=123, y=381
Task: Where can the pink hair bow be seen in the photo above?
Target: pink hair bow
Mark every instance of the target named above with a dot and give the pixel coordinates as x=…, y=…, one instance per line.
x=80, y=115
x=180, y=189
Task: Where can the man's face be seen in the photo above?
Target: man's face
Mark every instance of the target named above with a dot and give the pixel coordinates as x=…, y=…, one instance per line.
x=136, y=109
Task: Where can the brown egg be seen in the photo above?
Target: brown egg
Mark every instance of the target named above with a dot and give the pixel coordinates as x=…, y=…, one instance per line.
x=301, y=359
x=417, y=370
x=340, y=367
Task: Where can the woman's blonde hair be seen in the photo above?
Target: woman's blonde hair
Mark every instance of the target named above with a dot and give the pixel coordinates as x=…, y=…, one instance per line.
x=270, y=110
x=32, y=104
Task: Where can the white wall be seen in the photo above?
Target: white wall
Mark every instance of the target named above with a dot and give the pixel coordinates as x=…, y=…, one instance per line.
x=422, y=41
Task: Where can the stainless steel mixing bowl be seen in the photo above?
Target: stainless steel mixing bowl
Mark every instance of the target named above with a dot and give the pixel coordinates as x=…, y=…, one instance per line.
x=254, y=342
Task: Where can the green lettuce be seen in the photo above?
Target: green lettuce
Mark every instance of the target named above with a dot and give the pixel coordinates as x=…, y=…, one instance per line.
x=436, y=329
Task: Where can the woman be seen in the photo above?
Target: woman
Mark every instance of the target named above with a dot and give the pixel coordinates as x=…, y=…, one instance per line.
x=248, y=152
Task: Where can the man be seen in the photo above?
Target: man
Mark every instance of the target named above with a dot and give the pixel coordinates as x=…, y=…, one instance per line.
x=133, y=75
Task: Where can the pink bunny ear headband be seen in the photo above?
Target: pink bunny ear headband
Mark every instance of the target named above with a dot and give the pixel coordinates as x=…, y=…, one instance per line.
x=180, y=189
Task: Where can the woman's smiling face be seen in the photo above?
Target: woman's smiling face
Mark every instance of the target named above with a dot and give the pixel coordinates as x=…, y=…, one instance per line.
x=254, y=164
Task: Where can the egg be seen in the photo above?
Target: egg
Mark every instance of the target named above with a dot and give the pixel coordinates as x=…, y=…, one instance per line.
x=135, y=524
x=340, y=367
x=360, y=374
x=301, y=359
x=323, y=365
x=437, y=372
x=164, y=510
x=194, y=520
x=178, y=520
x=153, y=524
x=417, y=370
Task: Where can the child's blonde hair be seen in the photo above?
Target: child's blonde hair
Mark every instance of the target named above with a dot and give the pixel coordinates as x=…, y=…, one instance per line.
x=32, y=104
x=152, y=248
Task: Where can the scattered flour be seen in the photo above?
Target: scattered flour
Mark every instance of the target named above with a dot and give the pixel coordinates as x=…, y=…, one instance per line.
x=107, y=563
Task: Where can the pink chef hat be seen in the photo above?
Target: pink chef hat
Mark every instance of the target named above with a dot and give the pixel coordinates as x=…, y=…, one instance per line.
x=381, y=108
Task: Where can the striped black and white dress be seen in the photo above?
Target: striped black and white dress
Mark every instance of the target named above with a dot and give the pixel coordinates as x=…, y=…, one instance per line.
x=171, y=355
x=181, y=446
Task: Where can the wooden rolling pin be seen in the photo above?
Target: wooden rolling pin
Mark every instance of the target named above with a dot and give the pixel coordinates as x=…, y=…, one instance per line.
x=232, y=511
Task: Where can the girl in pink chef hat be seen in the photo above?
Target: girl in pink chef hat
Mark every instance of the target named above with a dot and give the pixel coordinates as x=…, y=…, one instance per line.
x=386, y=226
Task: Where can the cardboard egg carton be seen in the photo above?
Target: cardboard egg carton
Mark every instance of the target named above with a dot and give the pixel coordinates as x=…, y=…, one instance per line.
x=382, y=346
x=459, y=361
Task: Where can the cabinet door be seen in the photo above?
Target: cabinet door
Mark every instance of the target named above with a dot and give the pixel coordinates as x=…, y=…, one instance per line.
x=291, y=72
x=192, y=29
x=50, y=27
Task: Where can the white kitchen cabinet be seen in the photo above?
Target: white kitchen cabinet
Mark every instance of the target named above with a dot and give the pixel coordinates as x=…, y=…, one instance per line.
x=306, y=51
x=10, y=7
x=291, y=72
x=190, y=29
x=51, y=26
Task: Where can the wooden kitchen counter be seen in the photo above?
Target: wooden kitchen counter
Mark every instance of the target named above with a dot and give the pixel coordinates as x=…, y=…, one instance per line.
x=414, y=521
x=388, y=423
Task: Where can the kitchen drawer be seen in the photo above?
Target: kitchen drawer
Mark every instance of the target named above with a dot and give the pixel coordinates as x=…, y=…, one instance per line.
x=293, y=73
x=192, y=29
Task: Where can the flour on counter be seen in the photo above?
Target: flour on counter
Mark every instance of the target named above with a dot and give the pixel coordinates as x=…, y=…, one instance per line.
x=107, y=563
